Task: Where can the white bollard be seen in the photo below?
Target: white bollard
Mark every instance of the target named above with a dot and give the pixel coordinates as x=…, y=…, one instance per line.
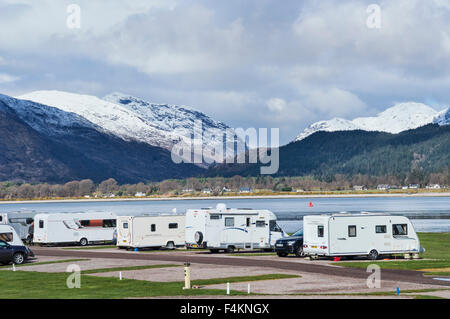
x=248, y=289
x=187, y=276
x=14, y=267
x=120, y=275
x=228, y=288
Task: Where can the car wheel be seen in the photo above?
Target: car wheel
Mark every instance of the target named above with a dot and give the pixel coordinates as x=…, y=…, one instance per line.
x=18, y=258
x=230, y=249
x=83, y=242
x=282, y=254
x=373, y=255
x=214, y=251
x=299, y=251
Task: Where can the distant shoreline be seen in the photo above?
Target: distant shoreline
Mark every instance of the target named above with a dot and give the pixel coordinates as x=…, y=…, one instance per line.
x=218, y=198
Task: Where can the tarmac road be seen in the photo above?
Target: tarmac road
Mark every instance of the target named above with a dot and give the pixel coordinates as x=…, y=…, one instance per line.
x=386, y=274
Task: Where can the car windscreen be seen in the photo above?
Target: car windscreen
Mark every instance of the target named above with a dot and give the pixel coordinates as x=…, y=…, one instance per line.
x=298, y=233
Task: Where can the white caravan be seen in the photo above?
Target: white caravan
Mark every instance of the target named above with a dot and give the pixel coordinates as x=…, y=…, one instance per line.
x=150, y=231
x=82, y=228
x=9, y=235
x=228, y=229
x=362, y=234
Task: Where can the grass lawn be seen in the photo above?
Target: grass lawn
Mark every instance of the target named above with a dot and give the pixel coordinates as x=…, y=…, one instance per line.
x=103, y=270
x=26, y=285
x=216, y=281
x=437, y=247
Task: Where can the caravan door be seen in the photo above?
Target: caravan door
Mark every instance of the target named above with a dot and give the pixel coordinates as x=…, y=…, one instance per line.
x=124, y=231
x=261, y=233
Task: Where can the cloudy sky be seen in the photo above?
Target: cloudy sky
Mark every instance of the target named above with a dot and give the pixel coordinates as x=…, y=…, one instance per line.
x=252, y=63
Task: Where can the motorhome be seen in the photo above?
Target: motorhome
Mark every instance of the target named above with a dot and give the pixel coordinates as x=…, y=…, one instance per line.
x=20, y=221
x=361, y=234
x=150, y=231
x=81, y=228
x=228, y=229
x=9, y=235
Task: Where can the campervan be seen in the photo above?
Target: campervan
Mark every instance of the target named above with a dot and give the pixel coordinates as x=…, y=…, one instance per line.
x=228, y=229
x=361, y=234
x=81, y=228
x=150, y=231
x=20, y=221
x=9, y=235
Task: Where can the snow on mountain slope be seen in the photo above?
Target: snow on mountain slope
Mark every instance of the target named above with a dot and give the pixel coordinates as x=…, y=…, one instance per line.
x=336, y=124
x=48, y=120
x=443, y=117
x=131, y=118
x=398, y=118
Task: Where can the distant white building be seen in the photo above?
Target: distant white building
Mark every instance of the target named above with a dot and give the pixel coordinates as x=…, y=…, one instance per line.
x=434, y=186
x=414, y=186
x=245, y=190
x=207, y=191
x=139, y=194
x=382, y=187
x=359, y=188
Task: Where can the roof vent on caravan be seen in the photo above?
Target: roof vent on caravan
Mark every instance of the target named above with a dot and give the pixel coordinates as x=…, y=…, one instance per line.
x=221, y=207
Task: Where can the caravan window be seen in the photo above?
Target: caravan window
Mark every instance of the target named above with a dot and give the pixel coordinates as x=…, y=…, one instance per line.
x=125, y=225
x=352, y=231
x=380, y=229
x=173, y=225
x=248, y=222
x=320, y=231
x=214, y=216
x=260, y=223
x=109, y=223
x=41, y=224
x=8, y=237
x=229, y=221
x=400, y=229
x=1, y=219
x=153, y=227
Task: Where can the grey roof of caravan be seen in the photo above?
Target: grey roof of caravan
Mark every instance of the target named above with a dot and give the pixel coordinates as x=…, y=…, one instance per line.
x=347, y=214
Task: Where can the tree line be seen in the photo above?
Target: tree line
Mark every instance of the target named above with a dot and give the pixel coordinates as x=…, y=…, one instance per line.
x=214, y=185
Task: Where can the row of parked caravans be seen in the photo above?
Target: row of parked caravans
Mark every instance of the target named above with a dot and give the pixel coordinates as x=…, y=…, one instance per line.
x=228, y=229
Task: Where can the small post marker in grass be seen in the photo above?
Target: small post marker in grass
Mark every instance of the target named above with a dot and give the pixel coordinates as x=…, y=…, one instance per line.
x=398, y=291
x=228, y=288
x=120, y=275
x=14, y=267
x=248, y=289
x=187, y=276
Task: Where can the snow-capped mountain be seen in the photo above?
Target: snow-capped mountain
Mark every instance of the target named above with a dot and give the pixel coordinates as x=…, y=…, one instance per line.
x=45, y=119
x=398, y=118
x=41, y=143
x=131, y=118
x=443, y=117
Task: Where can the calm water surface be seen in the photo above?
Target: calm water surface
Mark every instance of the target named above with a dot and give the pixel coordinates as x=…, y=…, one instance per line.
x=427, y=213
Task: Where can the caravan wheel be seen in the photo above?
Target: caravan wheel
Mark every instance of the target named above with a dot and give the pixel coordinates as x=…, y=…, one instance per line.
x=83, y=242
x=230, y=249
x=170, y=245
x=373, y=255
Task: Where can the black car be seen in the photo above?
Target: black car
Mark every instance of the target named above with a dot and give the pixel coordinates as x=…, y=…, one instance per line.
x=290, y=245
x=13, y=254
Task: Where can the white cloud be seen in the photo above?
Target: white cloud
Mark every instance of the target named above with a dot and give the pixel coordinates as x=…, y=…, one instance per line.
x=276, y=105
x=7, y=78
